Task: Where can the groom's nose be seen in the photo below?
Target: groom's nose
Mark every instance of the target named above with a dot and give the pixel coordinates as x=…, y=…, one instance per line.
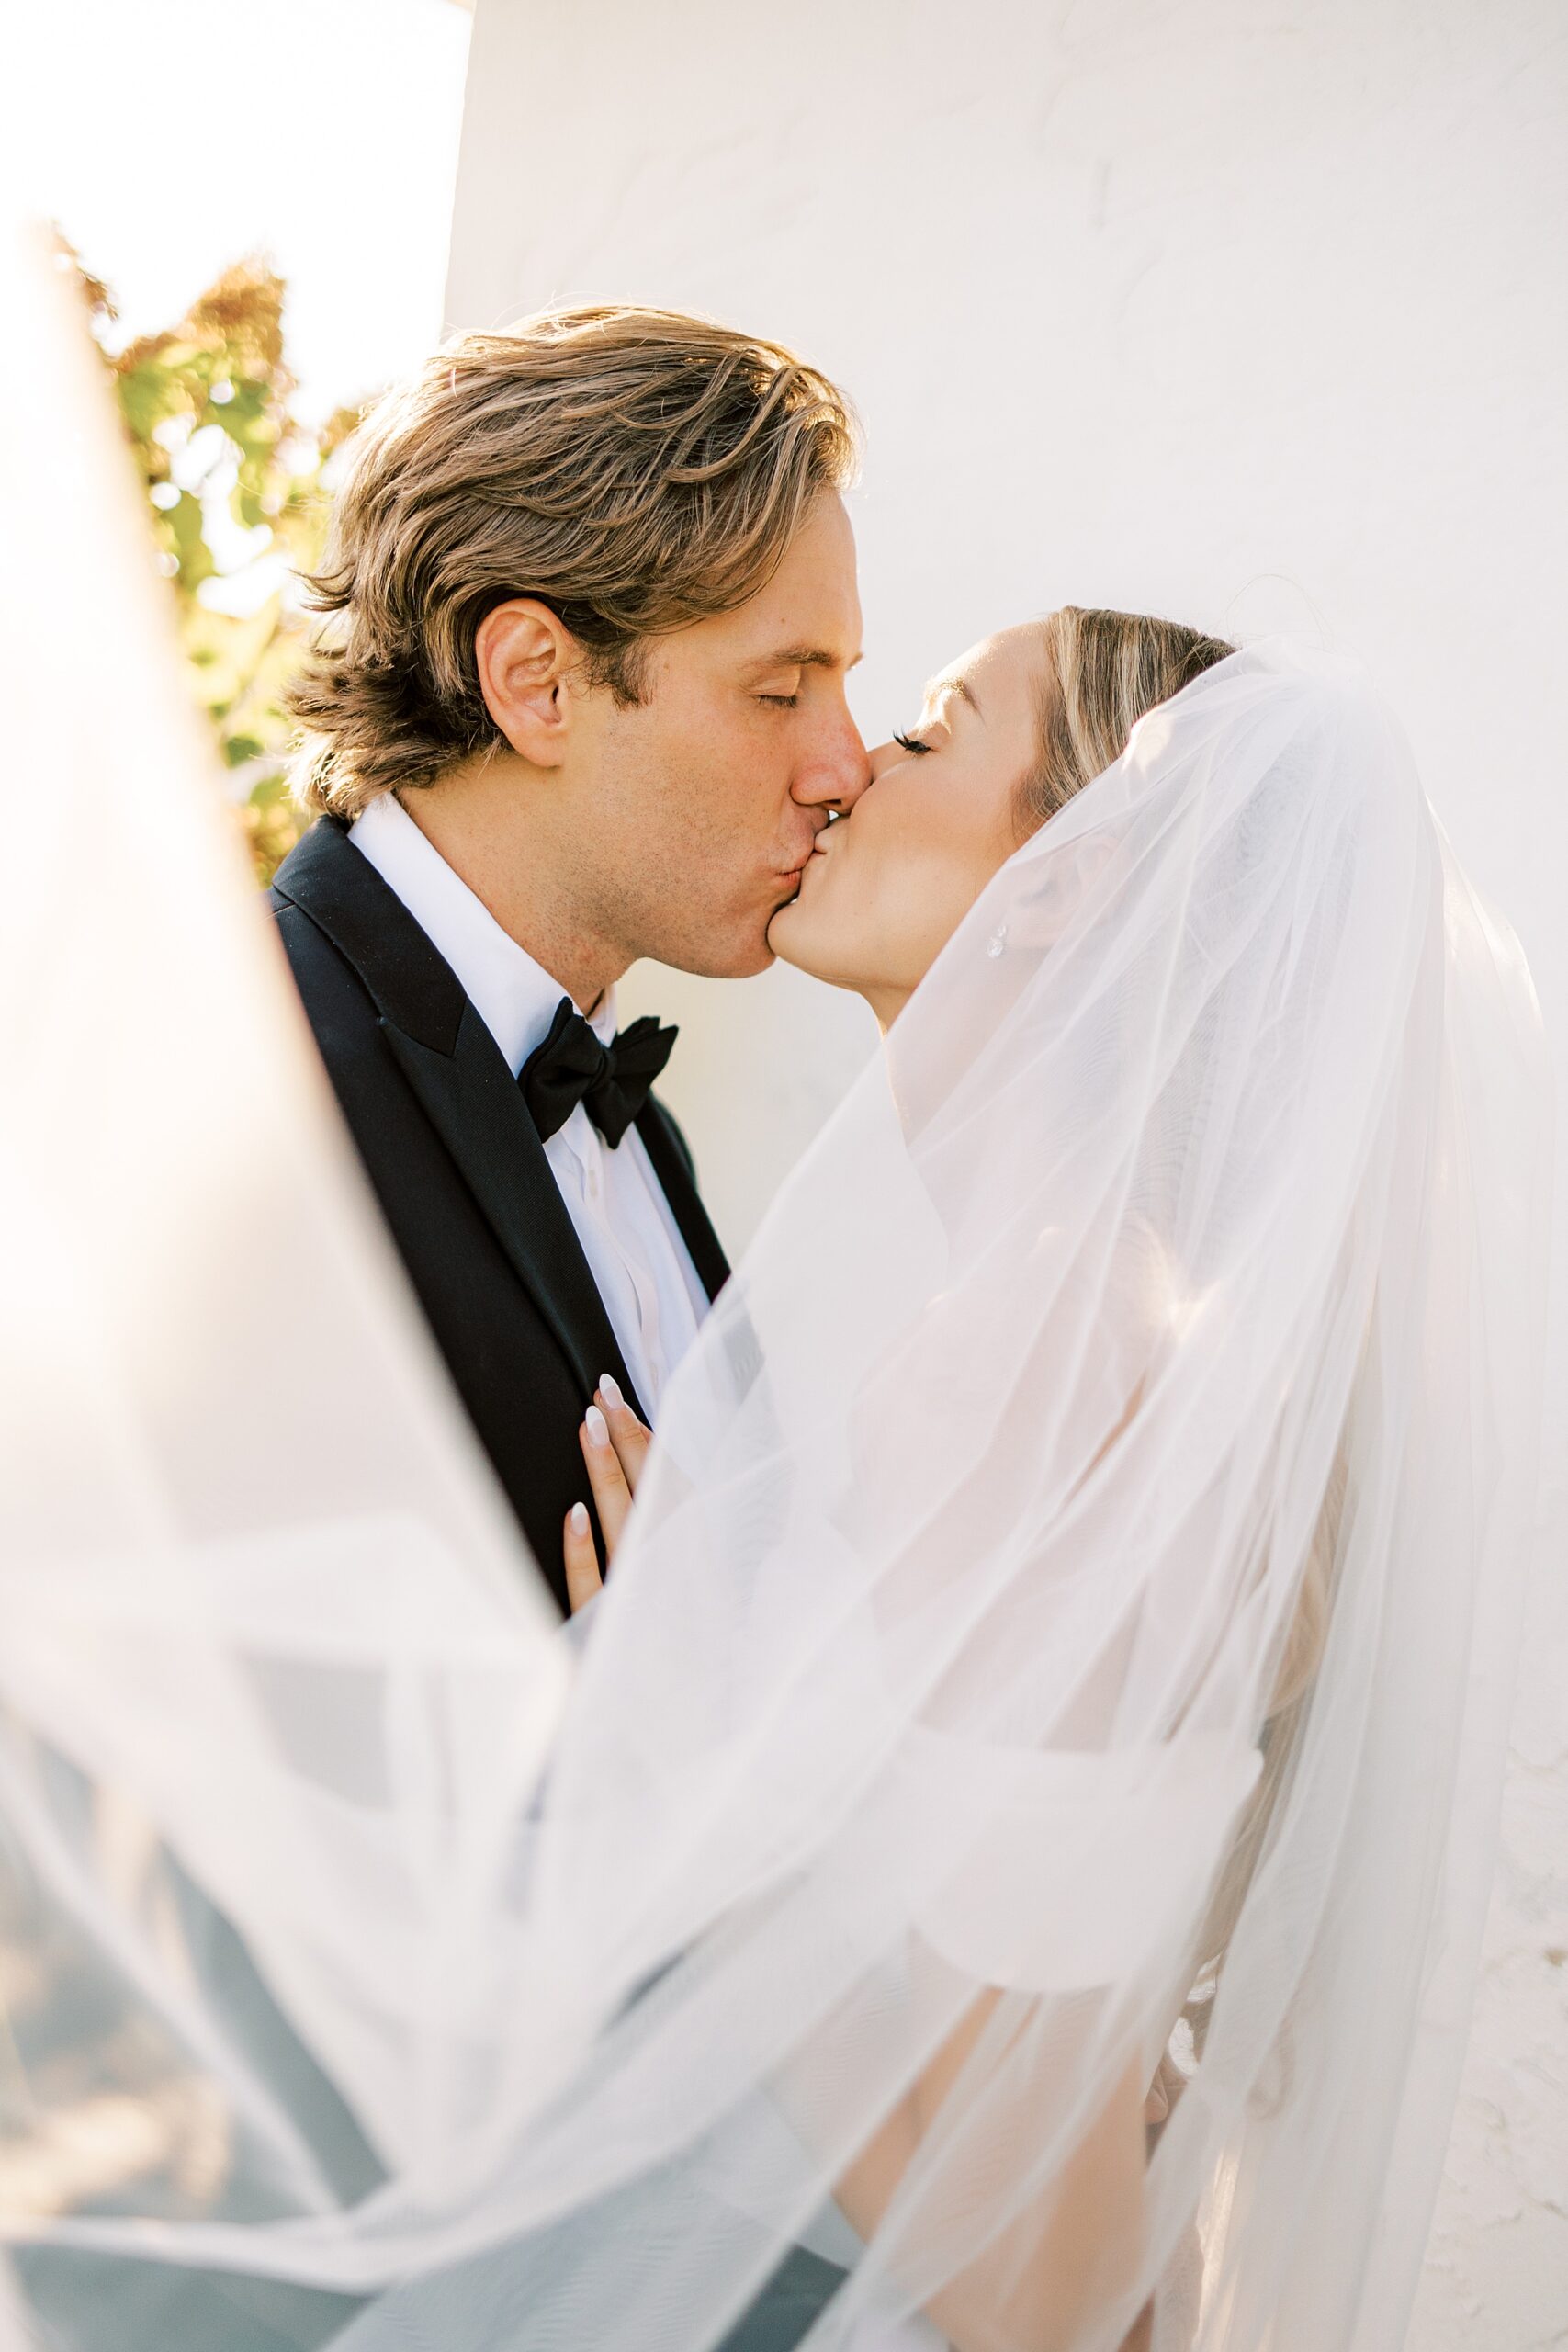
x=837, y=774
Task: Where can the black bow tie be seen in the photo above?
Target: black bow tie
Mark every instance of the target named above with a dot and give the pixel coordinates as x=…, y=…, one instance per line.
x=572, y=1067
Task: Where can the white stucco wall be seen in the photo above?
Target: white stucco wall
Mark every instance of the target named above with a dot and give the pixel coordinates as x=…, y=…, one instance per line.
x=1250, y=311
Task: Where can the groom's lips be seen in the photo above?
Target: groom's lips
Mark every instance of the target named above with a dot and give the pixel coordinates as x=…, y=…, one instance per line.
x=817, y=850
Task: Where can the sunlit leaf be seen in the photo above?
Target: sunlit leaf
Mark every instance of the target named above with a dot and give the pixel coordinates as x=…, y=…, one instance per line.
x=207, y=408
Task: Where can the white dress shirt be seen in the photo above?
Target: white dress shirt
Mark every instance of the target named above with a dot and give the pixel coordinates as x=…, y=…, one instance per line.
x=652, y=1291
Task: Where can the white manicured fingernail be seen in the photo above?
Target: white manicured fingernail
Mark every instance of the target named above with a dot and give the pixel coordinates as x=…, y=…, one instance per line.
x=598, y=1427
x=579, y=1518
x=610, y=1389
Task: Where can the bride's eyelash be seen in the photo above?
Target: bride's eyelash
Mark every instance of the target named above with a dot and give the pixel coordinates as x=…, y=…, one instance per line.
x=909, y=743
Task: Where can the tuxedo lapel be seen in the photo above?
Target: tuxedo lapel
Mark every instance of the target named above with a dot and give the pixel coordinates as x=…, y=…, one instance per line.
x=672, y=1165
x=462, y=1081
x=664, y=1146
x=473, y=1101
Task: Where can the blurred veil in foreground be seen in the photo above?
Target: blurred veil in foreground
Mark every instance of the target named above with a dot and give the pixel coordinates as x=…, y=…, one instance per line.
x=1068, y=1628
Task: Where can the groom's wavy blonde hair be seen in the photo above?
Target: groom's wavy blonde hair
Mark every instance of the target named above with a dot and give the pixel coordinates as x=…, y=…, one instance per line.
x=635, y=469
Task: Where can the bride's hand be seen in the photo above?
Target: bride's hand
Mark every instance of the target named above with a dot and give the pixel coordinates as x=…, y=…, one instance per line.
x=615, y=1445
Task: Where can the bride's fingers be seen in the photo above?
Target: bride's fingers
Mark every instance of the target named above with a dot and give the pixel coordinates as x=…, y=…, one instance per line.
x=582, y=1577
x=630, y=1439
x=615, y=1445
x=612, y=1494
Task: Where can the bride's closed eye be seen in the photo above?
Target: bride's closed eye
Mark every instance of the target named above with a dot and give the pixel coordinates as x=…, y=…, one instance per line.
x=909, y=743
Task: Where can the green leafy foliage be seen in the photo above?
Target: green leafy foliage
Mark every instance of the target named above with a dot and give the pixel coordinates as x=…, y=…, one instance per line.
x=238, y=497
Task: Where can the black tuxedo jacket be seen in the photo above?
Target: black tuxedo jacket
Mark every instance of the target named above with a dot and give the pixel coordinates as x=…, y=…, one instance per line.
x=460, y=1172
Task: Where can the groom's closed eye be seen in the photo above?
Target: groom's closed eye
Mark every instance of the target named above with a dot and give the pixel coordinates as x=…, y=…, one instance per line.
x=776, y=683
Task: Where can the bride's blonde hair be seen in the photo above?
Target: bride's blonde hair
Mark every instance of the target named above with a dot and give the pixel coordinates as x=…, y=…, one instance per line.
x=1102, y=672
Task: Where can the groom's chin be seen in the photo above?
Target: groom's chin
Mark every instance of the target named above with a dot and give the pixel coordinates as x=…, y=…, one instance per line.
x=751, y=952
x=738, y=958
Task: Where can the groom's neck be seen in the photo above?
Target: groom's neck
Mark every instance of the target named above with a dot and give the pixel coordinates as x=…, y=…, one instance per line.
x=493, y=825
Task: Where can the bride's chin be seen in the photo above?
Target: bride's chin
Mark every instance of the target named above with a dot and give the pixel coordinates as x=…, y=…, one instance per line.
x=779, y=932
x=789, y=936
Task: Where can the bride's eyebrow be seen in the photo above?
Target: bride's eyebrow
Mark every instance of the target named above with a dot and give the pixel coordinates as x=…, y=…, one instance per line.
x=959, y=686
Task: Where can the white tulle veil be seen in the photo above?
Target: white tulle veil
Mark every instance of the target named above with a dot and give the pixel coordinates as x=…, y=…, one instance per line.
x=1068, y=1625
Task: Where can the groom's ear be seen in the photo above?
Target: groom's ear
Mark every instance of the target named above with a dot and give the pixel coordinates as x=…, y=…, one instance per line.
x=529, y=661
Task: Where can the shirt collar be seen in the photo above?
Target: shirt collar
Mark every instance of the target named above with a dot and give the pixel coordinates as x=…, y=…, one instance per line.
x=513, y=996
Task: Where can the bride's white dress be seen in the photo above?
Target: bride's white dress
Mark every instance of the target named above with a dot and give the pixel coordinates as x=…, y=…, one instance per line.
x=1078, y=1570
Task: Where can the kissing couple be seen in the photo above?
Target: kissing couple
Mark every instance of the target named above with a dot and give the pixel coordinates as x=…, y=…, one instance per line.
x=581, y=700
x=995, y=1862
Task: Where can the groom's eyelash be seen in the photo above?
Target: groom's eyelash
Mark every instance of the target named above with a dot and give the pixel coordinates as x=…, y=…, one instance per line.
x=909, y=743
x=779, y=702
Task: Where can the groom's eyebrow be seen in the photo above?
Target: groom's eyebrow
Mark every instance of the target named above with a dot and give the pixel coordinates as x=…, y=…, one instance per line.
x=806, y=657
